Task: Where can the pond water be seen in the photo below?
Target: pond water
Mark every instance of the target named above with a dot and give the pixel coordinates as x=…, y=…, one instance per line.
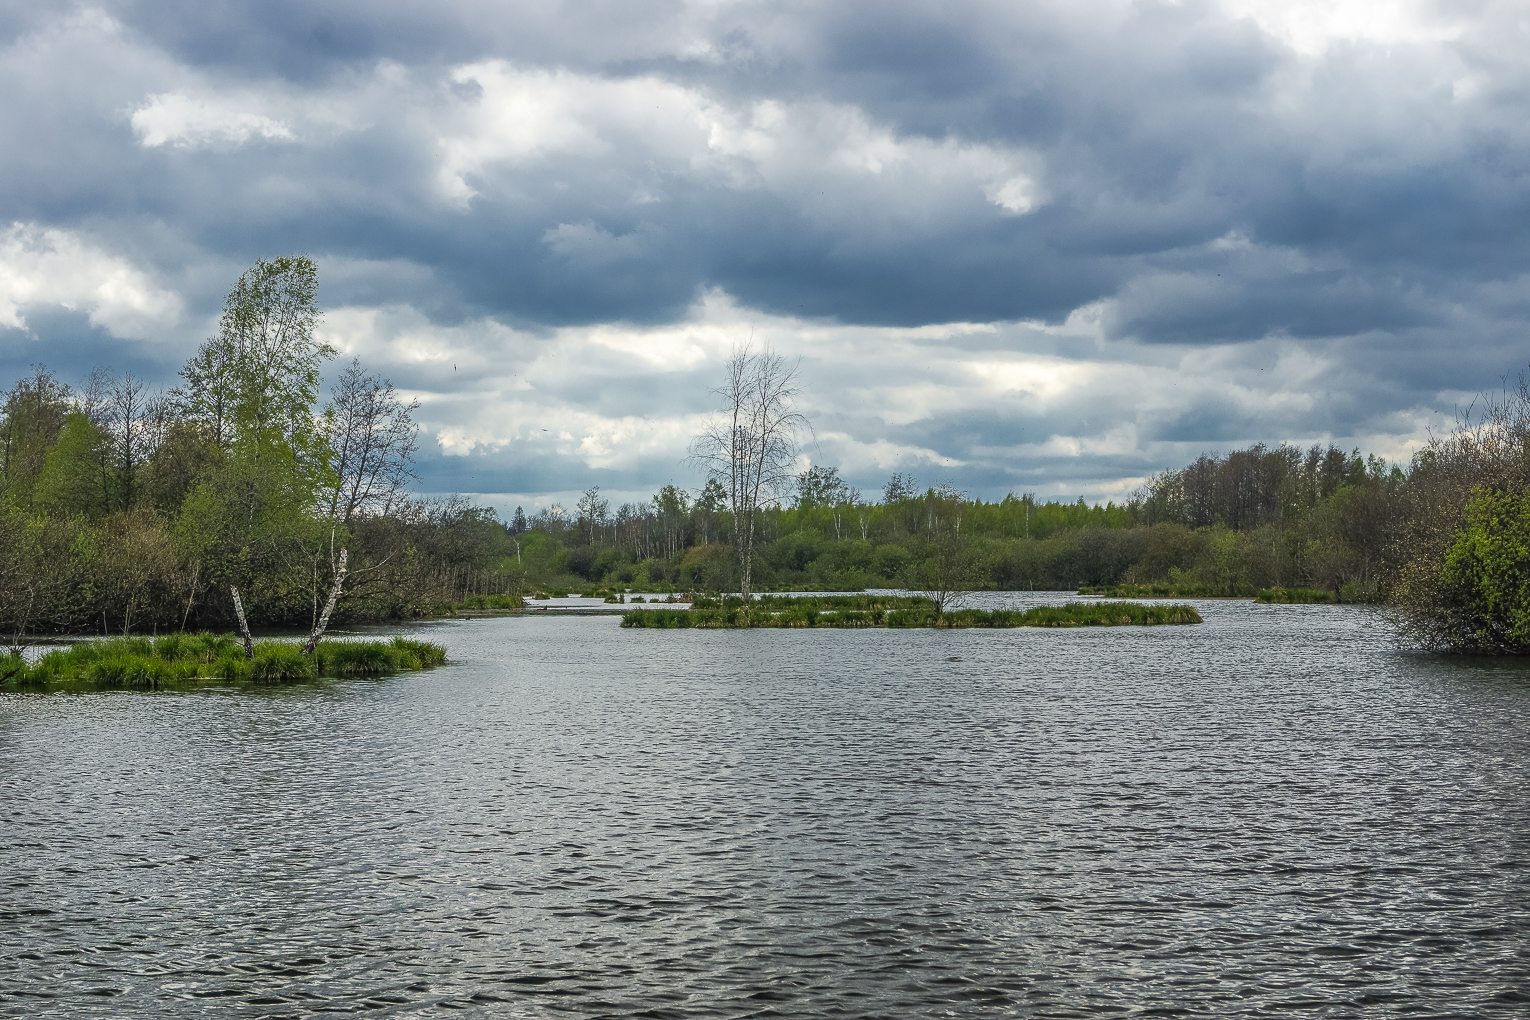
x=1273, y=813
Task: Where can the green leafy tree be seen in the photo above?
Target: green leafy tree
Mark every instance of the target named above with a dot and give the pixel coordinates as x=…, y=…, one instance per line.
x=672, y=507
x=822, y=487
x=1486, y=577
x=256, y=383
x=72, y=480
x=31, y=418
x=707, y=510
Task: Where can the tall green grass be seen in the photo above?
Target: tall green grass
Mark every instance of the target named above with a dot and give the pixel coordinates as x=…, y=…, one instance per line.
x=783, y=614
x=481, y=604
x=1299, y=596
x=778, y=603
x=190, y=660
x=1158, y=591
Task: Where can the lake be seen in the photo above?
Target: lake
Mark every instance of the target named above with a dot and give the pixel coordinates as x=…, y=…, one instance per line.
x=1272, y=813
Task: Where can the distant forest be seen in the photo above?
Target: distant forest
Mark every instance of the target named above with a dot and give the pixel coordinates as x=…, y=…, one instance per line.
x=1250, y=519
x=1445, y=542
x=126, y=510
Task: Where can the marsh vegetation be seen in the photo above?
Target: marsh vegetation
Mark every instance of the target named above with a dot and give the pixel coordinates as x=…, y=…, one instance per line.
x=178, y=661
x=855, y=612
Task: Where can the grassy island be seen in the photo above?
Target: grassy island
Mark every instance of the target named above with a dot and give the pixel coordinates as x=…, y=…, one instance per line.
x=480, y=605
x=191, y=660
x=858, y=611
x=1295, y=596
x=1157, y=591
x=1283, y=596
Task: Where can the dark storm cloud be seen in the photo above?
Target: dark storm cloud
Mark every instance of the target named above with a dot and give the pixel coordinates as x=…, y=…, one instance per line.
x=1154, y=139
x=1175, y=177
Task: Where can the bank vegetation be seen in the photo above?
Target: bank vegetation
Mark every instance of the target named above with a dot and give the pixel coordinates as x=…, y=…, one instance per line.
x=127, y=510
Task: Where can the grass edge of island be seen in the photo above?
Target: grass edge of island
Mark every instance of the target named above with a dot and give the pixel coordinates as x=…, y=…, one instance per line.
x=794, y=614
x=182, y=661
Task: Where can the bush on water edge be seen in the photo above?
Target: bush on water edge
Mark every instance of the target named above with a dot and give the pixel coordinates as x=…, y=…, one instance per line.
x=1296, y=596
x=187, y=660
x=1075, y=614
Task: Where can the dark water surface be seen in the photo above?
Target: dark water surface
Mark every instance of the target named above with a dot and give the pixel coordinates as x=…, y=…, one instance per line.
x=1272, y=814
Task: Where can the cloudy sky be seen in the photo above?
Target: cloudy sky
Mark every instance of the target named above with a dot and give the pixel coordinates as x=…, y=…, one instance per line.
x=1044, y=246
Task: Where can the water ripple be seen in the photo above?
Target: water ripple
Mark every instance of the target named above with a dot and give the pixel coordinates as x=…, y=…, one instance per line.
x=1271, y=813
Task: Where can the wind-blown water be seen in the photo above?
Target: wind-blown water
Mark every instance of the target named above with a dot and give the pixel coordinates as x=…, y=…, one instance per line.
x=1274, y=813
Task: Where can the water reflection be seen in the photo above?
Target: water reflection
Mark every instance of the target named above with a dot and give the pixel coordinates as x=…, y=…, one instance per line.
x=1271, y=811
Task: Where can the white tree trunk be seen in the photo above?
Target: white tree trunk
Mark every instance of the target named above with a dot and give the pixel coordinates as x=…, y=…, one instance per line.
x=329, y=607
x=244, y=627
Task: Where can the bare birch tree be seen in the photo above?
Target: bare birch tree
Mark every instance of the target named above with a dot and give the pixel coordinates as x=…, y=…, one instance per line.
x=372, y=442
x=751, y=445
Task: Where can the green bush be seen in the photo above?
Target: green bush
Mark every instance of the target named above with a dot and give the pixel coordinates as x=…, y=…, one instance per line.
x=670, y=618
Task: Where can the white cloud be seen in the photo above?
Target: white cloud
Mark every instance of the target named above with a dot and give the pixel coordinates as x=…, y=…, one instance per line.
x=1312, y=26
x=47, y=266
x=628, y=398
x=183, y=120
x=812, y=149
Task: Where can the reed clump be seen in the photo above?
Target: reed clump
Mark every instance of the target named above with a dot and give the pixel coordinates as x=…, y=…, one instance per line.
x=179, y=661
x=822, y=603
x=1294, y=596
x=1158, y=591
x=481, y=604
x=912, y=613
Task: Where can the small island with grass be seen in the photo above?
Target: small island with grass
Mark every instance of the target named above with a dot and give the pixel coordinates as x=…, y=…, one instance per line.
x=1272, y=596
x=861, y=611
x=178, y=661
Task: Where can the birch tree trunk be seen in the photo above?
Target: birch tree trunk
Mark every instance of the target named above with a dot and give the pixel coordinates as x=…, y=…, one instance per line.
x=329, y=607
x=244, y=627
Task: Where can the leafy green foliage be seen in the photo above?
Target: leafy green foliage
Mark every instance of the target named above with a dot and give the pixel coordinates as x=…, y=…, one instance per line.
x=1487, y=573
x=123, y=511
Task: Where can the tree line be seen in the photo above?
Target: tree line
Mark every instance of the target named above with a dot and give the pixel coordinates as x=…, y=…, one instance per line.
x=123, y=509
x=1445, y=541
x=824, y=535
x=126, y=510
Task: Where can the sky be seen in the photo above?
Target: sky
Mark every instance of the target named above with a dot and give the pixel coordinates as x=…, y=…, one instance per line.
x=1049, y=247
